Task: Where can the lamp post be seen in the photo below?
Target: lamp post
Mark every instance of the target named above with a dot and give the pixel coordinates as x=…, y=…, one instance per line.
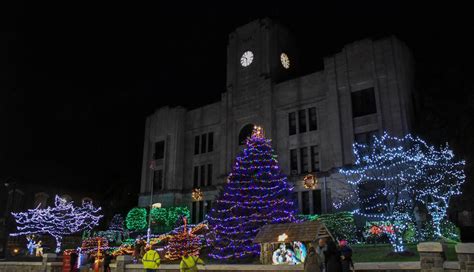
x=148, y=233
x=8, y=183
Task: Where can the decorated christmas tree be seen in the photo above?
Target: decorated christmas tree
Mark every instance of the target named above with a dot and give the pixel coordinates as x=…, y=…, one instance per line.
x=183, y=242
x=256, y=194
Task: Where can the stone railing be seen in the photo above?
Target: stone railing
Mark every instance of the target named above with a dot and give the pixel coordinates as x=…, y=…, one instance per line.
x=432, y=258
x=48, y=264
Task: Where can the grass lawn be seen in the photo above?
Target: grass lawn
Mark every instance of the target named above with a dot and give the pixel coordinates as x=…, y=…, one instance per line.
x=378, y=253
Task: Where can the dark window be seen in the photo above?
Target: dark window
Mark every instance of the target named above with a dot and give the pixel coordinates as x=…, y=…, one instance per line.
x=292, y=123
x=196, y=176
x=196, y=145
x=365, y=137
x=245, y=132
x=208, y=206
x=203, y=143
x=305, y=200
x=363, y=102
x=293, y=161
x=314, y=158
x=302, y=120
x=209, y=174
x=193, y=212
x=158, y=180
x=304, y=160
x=203, y=175
x=313, y=121
x=159, y=150
x=316, y=201
x=201, y=211
x=210, y=142
x=296, y=199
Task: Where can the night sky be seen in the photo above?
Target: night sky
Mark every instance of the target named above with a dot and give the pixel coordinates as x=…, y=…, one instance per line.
x=77, y=80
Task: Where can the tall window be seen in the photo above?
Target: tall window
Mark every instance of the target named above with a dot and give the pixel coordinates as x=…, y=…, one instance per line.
x=196, y=177
x=313, y=122
x=203, y=143
x=296, y=200
x=314, y=158
x=201, y=211
x=317, y=201
x=210, y=142
x=365, y=137
x=363, y=102
x=292, y=123
x=305, y=200
x=208, y=206
x=203, y=175
x=159, y=150
x=194, y=212
x=196, y=145
x=304, y=160
x=158, y=180
x=244, y=133
x=293, y=161
x=302, y=120
x=209, y=174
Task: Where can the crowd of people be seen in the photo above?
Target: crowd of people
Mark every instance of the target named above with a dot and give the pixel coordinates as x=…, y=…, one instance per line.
x=329, y=257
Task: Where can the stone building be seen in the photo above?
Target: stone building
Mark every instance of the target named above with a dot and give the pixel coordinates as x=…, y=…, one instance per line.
x=313, y=119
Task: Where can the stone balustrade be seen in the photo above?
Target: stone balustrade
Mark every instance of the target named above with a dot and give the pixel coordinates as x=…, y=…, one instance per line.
x=432, y=259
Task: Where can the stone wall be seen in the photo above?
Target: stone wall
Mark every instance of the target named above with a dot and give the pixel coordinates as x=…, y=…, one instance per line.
x=49, y=264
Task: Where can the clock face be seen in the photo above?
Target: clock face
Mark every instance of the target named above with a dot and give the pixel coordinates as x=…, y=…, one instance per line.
x=246, y=58
x=285, y=61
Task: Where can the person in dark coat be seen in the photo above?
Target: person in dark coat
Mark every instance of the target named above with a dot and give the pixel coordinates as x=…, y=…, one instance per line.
x=73, y=262
x=311, y=263
x=332, y=257
x=320, y=249
x=107, y=260
x=346, y=256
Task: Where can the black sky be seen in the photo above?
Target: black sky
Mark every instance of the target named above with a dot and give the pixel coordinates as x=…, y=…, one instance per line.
x=77, y=80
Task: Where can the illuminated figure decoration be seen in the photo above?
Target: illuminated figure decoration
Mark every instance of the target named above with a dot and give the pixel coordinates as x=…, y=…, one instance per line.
x=256, y=194
x=62, y=219
x=300, y=251
x=31, y=244
x=284, y=256
x=39, y=249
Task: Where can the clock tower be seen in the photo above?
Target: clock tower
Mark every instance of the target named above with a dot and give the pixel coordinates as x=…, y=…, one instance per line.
x=259, y=55
x=259, y=50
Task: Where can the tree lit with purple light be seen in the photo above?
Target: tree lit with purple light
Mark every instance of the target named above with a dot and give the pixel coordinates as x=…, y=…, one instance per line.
x=256, y=194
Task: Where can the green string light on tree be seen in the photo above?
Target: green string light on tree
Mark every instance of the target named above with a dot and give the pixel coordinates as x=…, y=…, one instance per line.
x=136, y=219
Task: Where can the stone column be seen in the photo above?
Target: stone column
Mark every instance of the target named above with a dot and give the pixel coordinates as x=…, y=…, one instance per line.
x=432, y=256
x=48, y=258
x=465, y=252
x=122, y=261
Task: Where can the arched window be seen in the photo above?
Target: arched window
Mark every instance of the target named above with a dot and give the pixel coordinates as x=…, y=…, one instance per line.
x=41, y=199
x=245, y=132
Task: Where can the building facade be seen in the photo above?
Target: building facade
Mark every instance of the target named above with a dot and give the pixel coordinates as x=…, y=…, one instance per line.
x=313, y=120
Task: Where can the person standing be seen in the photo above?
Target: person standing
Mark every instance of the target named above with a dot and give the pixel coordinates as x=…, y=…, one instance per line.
x=151, y=260
x=332, y=257
x=189, y=263
x=346, y=256
x=321, y=251
x=311, y=263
